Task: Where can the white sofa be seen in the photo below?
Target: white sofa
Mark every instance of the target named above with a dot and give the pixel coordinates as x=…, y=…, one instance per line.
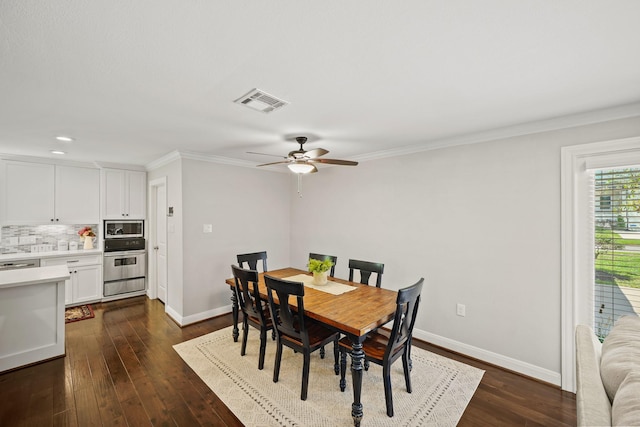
x=608, y=375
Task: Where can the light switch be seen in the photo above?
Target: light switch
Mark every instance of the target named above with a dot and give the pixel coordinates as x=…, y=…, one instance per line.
x=207, y=228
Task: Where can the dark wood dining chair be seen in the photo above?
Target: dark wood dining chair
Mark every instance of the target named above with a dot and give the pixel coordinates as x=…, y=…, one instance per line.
x=254, y=311
x=366, y=268
x=320, y=257
x=294, y=330
x=252, y=260
x=384, y=346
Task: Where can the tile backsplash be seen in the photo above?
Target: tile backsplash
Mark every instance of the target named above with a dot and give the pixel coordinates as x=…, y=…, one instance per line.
x=11, y=242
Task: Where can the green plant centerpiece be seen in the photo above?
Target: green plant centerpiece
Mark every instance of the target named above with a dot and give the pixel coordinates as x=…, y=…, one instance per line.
x=320, y=270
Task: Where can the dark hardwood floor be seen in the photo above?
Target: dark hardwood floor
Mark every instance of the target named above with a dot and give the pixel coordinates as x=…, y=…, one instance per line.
x=121, y=370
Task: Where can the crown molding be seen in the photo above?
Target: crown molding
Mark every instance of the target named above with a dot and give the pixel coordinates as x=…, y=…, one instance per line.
x=177, y=155
x=556, y=123
x=48, y=160
x=162, y=161
x=119, y=166
x=216, y=159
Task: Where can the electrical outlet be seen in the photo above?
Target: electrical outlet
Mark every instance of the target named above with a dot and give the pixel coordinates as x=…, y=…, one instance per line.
x=207, y=228
x=461, y=310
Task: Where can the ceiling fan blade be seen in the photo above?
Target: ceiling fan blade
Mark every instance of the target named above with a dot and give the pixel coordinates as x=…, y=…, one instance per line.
x=265, y=154
x=275, y=163
x=314, y=170
x=316, y=152
x=334, y=162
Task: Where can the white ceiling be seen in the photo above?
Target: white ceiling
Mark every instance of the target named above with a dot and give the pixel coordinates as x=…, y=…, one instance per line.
x=132, y=81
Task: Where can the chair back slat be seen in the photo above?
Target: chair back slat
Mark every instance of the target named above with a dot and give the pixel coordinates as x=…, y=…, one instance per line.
x=366, y=268
x=252, y=259
x=246, y=290
x=407, y=304
x=288, y=322
x=321, y=257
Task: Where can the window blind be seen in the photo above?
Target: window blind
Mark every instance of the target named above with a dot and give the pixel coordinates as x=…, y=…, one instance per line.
x=616, y=246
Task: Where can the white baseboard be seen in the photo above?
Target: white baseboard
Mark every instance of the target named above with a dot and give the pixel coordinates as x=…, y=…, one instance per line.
x=194, y=318
x=515, y=365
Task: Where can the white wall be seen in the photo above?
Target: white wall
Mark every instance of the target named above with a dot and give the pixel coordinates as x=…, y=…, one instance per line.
x=481, y=224
x=249, y=211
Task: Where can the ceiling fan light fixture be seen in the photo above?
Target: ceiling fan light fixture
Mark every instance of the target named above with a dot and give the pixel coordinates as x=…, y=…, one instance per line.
x=300, y=167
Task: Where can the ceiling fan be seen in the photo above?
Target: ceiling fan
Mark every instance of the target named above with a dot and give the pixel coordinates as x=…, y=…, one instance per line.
x=301, y=161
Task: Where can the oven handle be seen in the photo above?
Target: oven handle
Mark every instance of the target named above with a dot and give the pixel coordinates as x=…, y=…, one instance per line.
x=124, y=253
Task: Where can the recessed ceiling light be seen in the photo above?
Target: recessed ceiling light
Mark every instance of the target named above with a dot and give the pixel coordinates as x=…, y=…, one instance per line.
x=57, y=152
x=64, y=138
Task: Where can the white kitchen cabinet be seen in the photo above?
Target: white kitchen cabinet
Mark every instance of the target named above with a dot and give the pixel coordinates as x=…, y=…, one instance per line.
x=28, y=193
x=85, y=284
x=77, y=199
x=39, y=193
x=123, y=194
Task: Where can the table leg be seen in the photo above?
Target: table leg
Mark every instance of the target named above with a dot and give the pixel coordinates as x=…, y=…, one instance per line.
x=357, y=358
x=234, y=311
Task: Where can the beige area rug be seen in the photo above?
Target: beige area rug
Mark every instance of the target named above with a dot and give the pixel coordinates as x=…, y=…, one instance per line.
x=442, y=388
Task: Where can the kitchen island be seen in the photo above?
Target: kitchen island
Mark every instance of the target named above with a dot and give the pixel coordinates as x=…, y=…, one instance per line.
x=31, y=315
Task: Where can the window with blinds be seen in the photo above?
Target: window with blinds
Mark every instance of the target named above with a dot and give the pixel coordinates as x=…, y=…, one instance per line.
x=616, y=246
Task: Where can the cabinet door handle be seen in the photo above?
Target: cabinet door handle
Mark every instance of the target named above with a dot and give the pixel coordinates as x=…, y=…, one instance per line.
x=75, y=260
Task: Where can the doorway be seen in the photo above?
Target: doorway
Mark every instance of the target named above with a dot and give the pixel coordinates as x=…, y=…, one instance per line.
x=158, y=239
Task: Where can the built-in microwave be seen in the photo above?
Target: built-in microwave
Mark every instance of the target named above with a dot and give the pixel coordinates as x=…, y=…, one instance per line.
x=120, y=229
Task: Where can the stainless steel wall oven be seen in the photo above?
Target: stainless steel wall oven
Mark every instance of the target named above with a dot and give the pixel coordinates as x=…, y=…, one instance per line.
x=125, y=257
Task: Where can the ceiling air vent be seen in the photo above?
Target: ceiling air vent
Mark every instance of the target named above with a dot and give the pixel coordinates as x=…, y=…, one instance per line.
x=261, y=101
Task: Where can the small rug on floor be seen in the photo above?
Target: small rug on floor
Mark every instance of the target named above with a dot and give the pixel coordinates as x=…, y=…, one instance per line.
x=442, y=387
x=81, y=312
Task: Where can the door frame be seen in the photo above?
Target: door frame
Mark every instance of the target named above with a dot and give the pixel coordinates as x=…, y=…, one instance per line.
x=152, y=291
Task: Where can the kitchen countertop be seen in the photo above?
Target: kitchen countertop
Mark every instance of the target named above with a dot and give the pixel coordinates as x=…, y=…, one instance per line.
x=33, y=276
x=51, y=254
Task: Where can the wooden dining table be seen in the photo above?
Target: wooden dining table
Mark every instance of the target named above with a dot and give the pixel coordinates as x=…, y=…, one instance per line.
x=354, y=313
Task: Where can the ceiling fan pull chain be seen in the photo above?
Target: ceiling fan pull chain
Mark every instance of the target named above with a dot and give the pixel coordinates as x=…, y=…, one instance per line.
x=300, y=185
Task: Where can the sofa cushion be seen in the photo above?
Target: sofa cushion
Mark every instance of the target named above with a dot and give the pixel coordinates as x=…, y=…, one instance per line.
x=592, y=403
x=620, y=353
x=626, y=406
